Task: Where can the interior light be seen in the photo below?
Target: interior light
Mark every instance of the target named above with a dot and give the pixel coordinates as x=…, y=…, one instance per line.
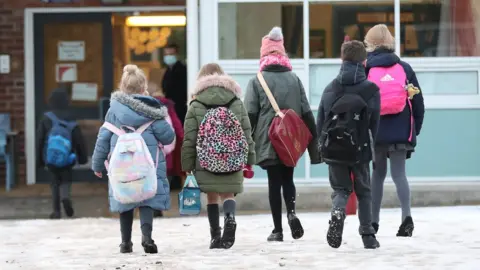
x=146, y=21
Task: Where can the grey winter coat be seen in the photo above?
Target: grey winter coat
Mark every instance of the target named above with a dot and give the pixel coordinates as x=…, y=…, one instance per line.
x=288, y=91
x=214, y=90
x=134, y=111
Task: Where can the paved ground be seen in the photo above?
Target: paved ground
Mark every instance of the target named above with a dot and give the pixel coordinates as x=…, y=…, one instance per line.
x=444, y=238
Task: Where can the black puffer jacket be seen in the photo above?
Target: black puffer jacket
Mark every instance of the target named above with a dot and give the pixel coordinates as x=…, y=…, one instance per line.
x=353, y=78
x=59, y=104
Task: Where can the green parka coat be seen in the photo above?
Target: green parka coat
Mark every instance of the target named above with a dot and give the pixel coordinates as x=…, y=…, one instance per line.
x=214, y=90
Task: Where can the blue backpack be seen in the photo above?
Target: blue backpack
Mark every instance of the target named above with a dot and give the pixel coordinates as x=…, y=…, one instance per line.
x=58, y=152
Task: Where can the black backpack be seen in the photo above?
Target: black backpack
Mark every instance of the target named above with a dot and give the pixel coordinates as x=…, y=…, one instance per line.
x=345, y=133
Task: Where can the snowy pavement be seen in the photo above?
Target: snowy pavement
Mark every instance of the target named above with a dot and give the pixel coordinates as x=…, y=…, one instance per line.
x=444, y=238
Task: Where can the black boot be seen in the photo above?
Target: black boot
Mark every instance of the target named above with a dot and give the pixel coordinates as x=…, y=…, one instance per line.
x=370, y=242
x=126, y=247
x=55, y=215
x=230, y=227
x=406, y=228
x=375, y=226
x=216, y=238
x=295, y=226
x=67, y=206
x=275, y=237
x=149, y=245
x=335, y=230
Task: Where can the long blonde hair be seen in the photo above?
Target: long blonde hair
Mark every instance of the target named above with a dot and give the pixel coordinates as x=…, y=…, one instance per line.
x=379, y=36
x=133, y=80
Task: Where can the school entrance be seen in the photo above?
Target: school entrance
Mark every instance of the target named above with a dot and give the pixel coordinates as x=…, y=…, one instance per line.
x=84, y=50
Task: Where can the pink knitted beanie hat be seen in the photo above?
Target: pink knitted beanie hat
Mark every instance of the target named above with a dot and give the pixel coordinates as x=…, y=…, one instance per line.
x=273, y=42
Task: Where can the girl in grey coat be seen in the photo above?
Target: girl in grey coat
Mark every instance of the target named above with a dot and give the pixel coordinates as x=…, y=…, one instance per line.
x=288, y=91
x=131, y=106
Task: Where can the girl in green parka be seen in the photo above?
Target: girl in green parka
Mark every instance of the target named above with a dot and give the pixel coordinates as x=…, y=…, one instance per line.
x=215, y=88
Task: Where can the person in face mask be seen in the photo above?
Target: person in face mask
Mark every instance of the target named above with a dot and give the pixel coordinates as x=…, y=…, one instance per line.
x=174, y=81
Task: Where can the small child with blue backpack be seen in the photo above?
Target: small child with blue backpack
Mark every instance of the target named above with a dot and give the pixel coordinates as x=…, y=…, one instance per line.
x=130, y=146
x=218, y=147
x=60, y=145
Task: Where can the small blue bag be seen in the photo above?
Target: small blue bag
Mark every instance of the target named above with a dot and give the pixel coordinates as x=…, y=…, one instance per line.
x=189, y=203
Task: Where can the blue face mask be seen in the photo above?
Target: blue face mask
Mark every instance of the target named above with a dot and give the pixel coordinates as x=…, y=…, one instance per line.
x=169, y=59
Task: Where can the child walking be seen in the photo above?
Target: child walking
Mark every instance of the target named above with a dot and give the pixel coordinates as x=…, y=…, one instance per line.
x=347, y=122
x=131, y=106
x=59, y=121
x=399, y=127
x=216, y=114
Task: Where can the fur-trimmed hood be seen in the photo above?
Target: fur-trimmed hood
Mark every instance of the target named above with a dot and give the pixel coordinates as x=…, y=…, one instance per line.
x=217, y=80
x=136, y=110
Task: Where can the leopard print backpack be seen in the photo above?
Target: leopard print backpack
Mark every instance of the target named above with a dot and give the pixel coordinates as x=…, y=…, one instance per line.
x=221, y=143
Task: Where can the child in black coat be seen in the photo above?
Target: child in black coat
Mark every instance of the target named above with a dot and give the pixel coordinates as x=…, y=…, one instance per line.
x=61, y=176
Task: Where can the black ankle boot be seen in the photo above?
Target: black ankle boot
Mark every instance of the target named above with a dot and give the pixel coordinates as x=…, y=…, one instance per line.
x=370, y=241
x=126, y=247
x=149, y=245
x=67, y=206
x=295, y=226
x=335, y=229
x=406, y=228
x=228, y=237
x=55, y=215
x=216, y=238
x=275, y=237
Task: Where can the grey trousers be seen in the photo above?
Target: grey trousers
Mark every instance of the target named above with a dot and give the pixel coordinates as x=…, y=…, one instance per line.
x=342, y=186
x=61, y=187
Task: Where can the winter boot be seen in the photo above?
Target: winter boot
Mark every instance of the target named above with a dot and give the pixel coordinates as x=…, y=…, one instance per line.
x=335, y=230
x=149, y=245
x=67, y=206
x=375, y=226
x=275, y=237
x=406, y=228
x=295, y=226
x=370, y=242
x=126, y=247
x=216, y=238
x=228, y=238
x=55, y=215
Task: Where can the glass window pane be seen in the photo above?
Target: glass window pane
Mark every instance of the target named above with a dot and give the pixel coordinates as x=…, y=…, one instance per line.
x=331, y=22
x=440, y=28
x=448, y=82
x=241, y=27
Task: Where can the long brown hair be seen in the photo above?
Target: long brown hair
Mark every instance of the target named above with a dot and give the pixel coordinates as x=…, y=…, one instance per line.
x=210, y=69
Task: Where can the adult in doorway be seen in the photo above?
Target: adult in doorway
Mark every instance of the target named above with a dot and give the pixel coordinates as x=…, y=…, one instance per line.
x=174, y=81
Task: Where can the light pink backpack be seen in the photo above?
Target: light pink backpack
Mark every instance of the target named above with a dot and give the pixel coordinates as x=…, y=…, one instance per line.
x=132, y=172
x=392, y=83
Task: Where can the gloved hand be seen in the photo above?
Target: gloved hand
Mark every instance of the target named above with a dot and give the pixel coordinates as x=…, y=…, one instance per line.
x=248, y=171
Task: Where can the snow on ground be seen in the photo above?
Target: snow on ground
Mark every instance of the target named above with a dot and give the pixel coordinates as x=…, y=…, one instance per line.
x=444, y=238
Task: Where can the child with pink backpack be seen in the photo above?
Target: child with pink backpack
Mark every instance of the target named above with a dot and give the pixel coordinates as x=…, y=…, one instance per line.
x=402, y=111
x=131, y=148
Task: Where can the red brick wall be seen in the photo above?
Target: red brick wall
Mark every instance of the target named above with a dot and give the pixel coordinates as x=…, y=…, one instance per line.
x=11, y=42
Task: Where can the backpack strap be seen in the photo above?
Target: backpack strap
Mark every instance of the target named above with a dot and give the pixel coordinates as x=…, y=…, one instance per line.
x=143, y=127
x=113, y=129
x=55, y=120
x=226, y=105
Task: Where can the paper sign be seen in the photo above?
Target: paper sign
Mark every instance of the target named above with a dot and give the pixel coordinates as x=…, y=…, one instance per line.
x=84, y=91
x=4, y=64
x=71, y=50
x=66, y=72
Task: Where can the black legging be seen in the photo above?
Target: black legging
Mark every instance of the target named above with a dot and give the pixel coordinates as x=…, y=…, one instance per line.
x=280, y=176
x=126, y=222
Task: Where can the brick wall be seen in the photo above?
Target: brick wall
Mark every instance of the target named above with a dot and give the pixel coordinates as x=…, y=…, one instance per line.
x=11, y=42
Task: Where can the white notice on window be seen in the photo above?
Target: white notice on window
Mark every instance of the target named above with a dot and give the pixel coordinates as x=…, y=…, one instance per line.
x=71, y=50
x=84, y=91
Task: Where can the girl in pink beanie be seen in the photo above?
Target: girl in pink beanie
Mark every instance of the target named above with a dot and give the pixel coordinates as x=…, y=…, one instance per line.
x=288, y=92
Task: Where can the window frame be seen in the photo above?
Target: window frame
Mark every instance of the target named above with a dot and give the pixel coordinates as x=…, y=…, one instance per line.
x=302, y=65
